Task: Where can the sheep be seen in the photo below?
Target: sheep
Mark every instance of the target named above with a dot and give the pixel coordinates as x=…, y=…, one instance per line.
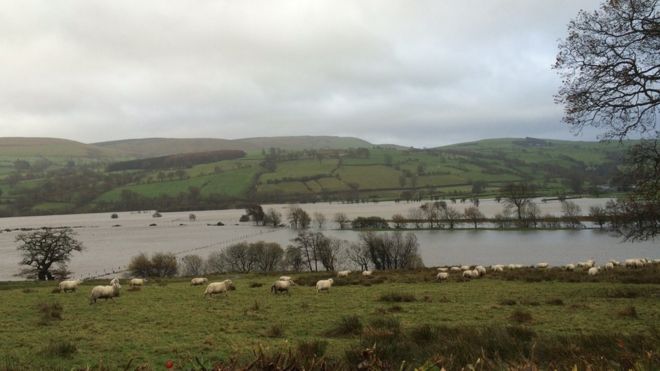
x=324, y=285
x=105, y=292
x=343, y=273
x=442, y=269
x=542, y=265
x=593, y=271
x=586, y=264
x=609, y=266
x=219, y=288
x=137, y=282
x=441, y=276
x=469, y=274
x=69, y=285
x=465, y=267
x=281, y=286
x=633, y=263
x=569, y=267
x=285, y=278
x=367, y=273
x=498, y=268
x=616, y=263
x=480, y=269
x=198, y=281
x=455, y=269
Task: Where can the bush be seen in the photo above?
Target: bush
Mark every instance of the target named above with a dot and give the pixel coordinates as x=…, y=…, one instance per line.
x=62, y=349
x=312, y=349
x=275, y=331
x=50, y=312
x=114, y=216
x=423, y=334
x=160, y=265
x=397, y=297
x=521, y=316
x=347, y=325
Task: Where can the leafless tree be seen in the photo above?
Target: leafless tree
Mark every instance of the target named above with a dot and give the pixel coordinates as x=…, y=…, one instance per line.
x=517, y=195
x=474, y=215
x=342, y=220
x=319, y=219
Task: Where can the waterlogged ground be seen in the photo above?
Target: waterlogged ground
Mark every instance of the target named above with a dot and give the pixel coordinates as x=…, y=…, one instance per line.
x=112, y=242
x=172, y=321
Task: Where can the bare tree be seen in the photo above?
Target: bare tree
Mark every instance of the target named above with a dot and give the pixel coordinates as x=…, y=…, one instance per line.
x=192, y=265
x=474, y=215
x=273, y=217
x=531, y=214
x=399, y=221
x=517, y=195
x=293, y=259
x=610, y=68
x=342, y=220
x=358, y=253
x=450, y=216
x=416, y=216
x=298, y=218
x=599, y=215
x=319, y=219
x=571, y=212
x=41, y=249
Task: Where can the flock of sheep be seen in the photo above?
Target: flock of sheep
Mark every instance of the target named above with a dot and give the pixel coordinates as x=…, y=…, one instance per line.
x=283, y=284
x=589, y=265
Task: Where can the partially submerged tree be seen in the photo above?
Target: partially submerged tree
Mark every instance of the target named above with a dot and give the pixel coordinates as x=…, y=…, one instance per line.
x=42, y=249
x=474, y=215
x=517, y=195
x=342, y=220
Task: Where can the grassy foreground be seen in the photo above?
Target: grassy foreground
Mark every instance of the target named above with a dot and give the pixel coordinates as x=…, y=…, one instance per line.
x=502, y=320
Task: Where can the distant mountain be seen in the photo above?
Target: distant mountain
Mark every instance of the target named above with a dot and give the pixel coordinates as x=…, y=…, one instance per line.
x=53, y=148
x=152, y=147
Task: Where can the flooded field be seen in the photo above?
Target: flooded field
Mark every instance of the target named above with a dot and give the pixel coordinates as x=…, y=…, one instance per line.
x=111, y=243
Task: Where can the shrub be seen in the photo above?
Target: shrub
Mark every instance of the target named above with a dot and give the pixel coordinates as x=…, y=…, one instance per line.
x=50, y=312
x=521, y=316
x=629, y=311
x=62, y=349
x=397, y=297
x=312, y=349
x=347, y=325
x=275, y=331
x=423, y=334
x=114, y=216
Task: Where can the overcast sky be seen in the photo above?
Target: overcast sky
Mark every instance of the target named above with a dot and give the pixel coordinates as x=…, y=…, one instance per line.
x=420, y=73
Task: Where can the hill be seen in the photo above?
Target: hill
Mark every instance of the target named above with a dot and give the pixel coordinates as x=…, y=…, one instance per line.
x=153, y=147
x=17, y=147
x=314, y=173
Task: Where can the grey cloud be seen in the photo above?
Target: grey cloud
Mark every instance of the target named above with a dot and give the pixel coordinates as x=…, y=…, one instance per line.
x=418, y=73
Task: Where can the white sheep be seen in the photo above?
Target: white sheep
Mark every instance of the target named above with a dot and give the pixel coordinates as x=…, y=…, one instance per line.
x=281, y=286
x=343, y=273
x=441, y=276
x=498, y=268
x=609, y=265
x=69, y=285
x=465, y=267
x=442, y=269
x=455, y=269
x=569, y=267
x=480, y=269
x=285, y=278
x=219, y=288
x=105, y=292
x=367, y=273
x=324, y=285
x=468, y=273
x=616, y=263
x=542, y=265
x=593, y=271
x=633, y=263
x=198, y=281
x=137, y=282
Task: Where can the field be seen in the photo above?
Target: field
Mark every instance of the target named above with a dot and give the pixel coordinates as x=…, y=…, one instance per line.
x=511, y=318
x=476, y=169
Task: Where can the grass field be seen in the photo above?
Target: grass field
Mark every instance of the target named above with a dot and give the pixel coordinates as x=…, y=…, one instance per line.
x=585, y=322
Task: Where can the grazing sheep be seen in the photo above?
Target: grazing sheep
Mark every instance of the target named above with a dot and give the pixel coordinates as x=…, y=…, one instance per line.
x=324, y=285
x=469, y=273
x=586, y=264
x=615, y=262
x=498, y=268
x=569, y=267
x=542, y=265
x=593, y=271
x=69, y=285
x=343, y=273
x=465, y=267
x=609, y=266
x=441, y=276
x=285, y=278
x=633, y=263
x=367, y=273
x=455, y=269
x=281, y=286
x=442, y=269
x=480, y=269
x=137, y=282
x=219, y=288
x=198, y=281
x=105, y=292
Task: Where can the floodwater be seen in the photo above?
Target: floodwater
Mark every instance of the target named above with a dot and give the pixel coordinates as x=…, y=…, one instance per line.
x=110, y=243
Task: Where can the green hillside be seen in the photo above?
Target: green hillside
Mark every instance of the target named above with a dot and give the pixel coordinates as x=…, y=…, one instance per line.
x=52, y=148
x=368, y=172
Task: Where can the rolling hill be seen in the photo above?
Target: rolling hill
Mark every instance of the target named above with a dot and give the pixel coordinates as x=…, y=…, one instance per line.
x=311, y=169
x=18, y=147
